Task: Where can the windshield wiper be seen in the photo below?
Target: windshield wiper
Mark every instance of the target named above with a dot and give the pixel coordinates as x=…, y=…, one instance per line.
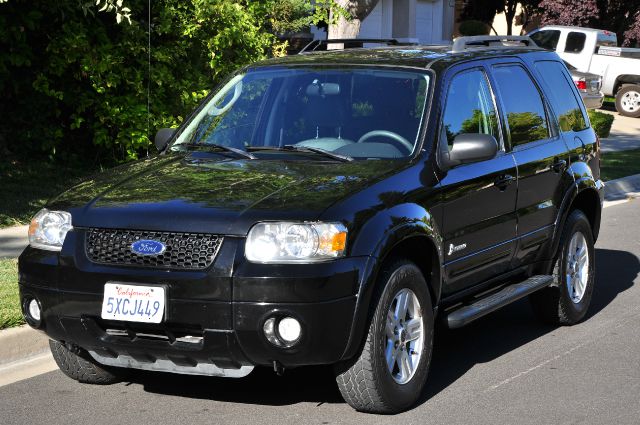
x=237, y=151
x=337, y=157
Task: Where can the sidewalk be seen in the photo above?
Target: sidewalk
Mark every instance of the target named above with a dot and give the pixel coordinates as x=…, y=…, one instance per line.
x=13, y=240
x=625, y=134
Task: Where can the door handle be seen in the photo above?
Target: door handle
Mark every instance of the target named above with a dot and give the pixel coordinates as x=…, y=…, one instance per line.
x=503, y=181
x=559, y=165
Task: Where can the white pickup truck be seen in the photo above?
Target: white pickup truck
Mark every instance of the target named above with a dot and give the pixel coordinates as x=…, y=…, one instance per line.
x=596, y=51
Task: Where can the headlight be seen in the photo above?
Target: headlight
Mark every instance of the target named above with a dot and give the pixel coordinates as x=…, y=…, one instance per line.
x=290, y=242
x=48, y=229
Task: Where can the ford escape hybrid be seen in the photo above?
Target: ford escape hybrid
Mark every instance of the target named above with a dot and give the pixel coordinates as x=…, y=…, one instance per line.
x=328, y=208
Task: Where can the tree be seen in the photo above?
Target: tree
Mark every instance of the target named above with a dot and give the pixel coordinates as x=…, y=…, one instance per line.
x=74, y=81
x=486, y=11
x=632, y=35
x=621, y=17
x=569, y=12
x=347, y=15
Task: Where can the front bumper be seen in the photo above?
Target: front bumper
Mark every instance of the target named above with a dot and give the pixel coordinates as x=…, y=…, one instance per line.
x=214, y=316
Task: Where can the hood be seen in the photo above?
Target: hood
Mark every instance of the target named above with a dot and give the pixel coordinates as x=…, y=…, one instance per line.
x=200, y=192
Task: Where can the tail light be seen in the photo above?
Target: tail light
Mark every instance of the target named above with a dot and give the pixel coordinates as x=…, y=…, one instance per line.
x=581, y=84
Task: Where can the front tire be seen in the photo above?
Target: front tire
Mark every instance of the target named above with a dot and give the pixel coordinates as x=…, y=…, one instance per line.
x=567, y=301
x=79, y=365
x=391, y=370
x=628, y=101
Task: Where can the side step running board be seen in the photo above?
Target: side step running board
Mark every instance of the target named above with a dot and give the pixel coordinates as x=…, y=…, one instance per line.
x=468, y=313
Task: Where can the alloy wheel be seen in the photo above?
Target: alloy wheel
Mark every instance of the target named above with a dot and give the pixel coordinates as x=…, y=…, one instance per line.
x=405, y=336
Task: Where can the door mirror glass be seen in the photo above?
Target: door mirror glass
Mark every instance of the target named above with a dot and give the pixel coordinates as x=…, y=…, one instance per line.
x=472, y=147
x=162, y=138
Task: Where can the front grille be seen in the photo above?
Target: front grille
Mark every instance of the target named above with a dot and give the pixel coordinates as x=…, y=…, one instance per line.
x=192, y=251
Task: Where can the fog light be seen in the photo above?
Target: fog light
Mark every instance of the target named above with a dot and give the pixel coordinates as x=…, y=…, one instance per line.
x=269, y=329
x=282, y=332
x=289, y=330
x=34, y=310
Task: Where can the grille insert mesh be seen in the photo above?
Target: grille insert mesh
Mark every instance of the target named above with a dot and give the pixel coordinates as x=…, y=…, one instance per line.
x=192, y=251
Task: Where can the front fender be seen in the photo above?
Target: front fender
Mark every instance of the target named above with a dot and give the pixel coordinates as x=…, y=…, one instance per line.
x=377, y=238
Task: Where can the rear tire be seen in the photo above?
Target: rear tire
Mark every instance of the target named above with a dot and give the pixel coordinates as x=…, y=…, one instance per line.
x=628, y=101
x=79, y=365
x=567, y=301
x=390, y=371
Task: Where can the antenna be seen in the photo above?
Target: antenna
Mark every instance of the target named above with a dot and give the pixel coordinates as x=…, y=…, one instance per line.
x=148, y=74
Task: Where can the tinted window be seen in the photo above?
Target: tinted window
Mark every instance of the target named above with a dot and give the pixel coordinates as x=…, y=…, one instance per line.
x=547, y=39
x=360, y=112
x=562, y=97
x=575, y=42
x=469, y=107
x=522, y=103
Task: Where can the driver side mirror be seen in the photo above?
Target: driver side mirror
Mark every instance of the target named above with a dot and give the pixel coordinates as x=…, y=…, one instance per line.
x=162, y=138
x=470, y=147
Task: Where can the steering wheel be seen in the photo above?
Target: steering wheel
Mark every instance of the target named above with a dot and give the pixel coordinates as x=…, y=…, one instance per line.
x=390, y=134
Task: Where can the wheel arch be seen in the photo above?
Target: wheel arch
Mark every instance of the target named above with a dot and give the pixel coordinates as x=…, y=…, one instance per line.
x=415, y=240
x=584, y=196
x=623, y=79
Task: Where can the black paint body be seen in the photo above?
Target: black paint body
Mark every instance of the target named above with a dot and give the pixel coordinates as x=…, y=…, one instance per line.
x=508, y=211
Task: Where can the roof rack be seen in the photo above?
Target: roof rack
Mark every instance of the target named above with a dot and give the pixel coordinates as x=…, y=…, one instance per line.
x=350, y=43
x=461, y=44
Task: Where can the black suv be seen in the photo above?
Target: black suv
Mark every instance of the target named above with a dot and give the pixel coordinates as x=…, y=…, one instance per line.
x=327, y=208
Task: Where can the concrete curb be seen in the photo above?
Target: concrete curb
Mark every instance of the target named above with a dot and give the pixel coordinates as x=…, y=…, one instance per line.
x=21, y=343
x=622, y=189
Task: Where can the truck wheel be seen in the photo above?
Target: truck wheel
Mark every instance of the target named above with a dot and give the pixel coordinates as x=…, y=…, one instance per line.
x=79, y=365
x=389, y=373
x=567, y=301
x=628, y=101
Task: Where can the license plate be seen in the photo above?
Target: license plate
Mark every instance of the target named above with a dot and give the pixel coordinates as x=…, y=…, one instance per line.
x=133, y=303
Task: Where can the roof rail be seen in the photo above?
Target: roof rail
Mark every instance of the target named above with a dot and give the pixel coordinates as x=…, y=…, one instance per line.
x=350, y=43
x=460, y=44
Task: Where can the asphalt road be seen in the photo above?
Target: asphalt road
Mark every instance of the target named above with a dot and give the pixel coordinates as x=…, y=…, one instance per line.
x=503, y=369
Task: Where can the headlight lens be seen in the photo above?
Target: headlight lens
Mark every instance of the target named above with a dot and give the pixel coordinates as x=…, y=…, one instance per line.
x=290, y=242
x=48, y=229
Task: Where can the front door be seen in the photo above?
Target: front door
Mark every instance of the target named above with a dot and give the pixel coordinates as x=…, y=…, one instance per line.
x=479, y=199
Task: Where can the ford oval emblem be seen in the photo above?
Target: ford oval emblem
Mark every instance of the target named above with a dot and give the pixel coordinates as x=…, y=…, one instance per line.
x=148, y=247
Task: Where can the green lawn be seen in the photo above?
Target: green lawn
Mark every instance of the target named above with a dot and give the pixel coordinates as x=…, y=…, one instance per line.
x=26, y=186
x=10, y=314
x=614, y=165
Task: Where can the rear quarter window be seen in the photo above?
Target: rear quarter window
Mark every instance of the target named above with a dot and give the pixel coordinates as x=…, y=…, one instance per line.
x=558, y=85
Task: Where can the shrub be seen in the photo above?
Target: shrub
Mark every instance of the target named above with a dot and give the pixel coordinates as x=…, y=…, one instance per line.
x=601, y=122
x=74, y=81
x=471, y=27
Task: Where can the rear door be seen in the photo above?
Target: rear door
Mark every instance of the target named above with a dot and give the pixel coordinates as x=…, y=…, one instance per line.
x=540, y=153
x=478, y=214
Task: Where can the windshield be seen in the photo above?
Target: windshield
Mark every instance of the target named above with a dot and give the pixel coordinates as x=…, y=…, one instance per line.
x=358, y=113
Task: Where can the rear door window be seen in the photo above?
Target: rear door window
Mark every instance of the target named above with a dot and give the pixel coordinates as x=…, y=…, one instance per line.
x=562, y=96
x=522, y=103
x=575, y=42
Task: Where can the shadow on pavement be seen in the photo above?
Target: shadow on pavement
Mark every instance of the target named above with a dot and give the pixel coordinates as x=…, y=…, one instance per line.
x=456, y=351
x=262, y=386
